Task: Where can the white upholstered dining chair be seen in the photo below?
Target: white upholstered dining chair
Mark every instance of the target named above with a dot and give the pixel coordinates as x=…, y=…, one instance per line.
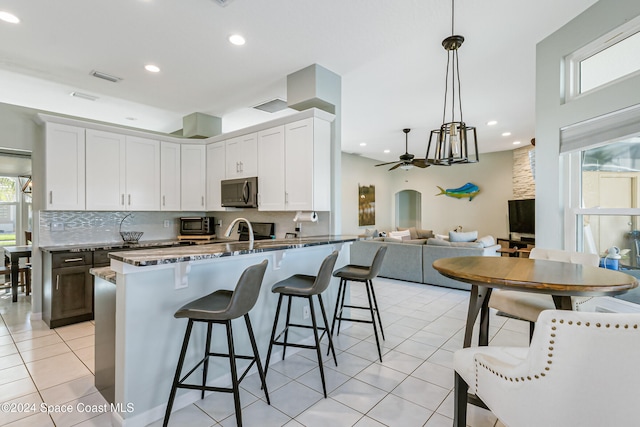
x=580, y=370
x=528, y=306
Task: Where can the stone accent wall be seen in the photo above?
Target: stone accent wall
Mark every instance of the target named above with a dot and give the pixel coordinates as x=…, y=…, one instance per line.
x=524, y=186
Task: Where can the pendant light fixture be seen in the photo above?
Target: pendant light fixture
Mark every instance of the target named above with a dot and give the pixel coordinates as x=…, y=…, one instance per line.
x=452, y=141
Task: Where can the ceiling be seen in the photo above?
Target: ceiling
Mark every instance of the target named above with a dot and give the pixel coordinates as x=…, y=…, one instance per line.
x=388, y=54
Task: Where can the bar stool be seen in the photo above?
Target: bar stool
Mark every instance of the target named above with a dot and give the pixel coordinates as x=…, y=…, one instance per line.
x=221, y=307
x=304, y=286
x=358, y=273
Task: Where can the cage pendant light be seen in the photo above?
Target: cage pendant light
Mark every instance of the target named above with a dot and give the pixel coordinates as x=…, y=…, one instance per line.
x=451, y=142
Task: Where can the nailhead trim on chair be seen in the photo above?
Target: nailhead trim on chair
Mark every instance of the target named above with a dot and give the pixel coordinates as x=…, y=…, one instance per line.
x=550, y=355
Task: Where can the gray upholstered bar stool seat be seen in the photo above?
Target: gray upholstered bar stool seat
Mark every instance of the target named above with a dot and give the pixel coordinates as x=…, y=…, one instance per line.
x=221, y=307
x=304, y=286
x=363, y=274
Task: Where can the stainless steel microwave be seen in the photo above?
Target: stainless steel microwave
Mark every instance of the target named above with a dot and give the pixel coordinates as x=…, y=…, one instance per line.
x=240, y=193
x=197, y=226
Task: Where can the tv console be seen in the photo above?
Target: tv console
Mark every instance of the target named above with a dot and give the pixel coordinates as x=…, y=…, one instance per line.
x=520, y=247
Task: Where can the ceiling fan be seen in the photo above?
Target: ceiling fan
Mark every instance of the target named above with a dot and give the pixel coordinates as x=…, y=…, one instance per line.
x=407, y=161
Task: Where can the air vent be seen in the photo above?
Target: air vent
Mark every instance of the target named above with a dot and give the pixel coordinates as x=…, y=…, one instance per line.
x=223, y=3
x=84, y=96
x=105, y=76
x=272, y=106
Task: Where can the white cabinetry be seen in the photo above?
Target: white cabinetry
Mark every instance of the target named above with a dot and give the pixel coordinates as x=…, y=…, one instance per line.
x=271, y=170
x=241, y=154
x=142, y=174
x=169, y=176
x=122, y=172
x=215, y=174
x=193, y=177
x=64, y=167
x=105, y=176
x=294, y=167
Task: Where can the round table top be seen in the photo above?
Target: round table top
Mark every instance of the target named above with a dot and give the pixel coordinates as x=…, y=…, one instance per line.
x=535, y=275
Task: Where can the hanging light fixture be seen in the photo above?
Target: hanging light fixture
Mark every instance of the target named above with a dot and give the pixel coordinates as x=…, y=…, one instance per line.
x=451, y=142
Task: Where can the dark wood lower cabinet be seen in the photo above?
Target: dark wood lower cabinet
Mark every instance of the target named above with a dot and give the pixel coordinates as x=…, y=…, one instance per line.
x=68, y=292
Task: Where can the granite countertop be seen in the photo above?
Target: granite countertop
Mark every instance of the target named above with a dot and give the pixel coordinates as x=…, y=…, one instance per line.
x=105, y=273
x=90, y=247
x=147, y=257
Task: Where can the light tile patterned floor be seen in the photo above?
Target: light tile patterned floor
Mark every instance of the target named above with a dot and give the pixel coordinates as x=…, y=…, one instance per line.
x=411, y=387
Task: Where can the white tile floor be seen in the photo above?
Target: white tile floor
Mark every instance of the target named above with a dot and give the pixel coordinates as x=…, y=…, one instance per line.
x=411, y=387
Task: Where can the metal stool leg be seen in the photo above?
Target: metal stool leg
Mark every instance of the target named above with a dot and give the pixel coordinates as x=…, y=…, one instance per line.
x=373, y=321
x=176, y=378
x=286, y=328
x=337, y=311
x=257, y=357
x=206, y=358
x=273, y=335
x=375, y=302
x=326, y=326
x=234, y=374
x=344, y=293
x=315, y=336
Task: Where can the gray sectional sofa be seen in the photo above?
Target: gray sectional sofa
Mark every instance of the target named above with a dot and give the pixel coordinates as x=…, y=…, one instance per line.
x=412, y=260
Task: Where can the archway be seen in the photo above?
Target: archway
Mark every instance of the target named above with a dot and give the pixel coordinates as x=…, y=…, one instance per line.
x=409, y=209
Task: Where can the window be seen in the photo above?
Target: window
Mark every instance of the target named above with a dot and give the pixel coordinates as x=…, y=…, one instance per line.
x=606, y=205
x=8, y=210
x=606, y=60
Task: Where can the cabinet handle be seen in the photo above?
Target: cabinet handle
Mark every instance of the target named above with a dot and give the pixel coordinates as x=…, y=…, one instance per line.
x=73, y=259
x=163, y=204
x=122, y=199
x=57, y=281
x=129, y=199
x=51, y=197
x=202, y=201
x=286, y=198
x=241, y=167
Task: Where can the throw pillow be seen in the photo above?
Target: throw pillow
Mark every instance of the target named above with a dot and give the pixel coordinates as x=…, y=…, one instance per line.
x=469, y=236
x=442, y=237
x=412, y=232
x=487, y=241
x=371, y=232
x=392, y=239
x=424, y=234
x=467, y=244
x=438, y=242
x=403, y=235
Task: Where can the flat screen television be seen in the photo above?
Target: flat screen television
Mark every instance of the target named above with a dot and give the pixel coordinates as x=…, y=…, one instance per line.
x=522, y=216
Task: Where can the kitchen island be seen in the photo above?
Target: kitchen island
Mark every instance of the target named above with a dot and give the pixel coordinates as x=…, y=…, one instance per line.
x=138, y=339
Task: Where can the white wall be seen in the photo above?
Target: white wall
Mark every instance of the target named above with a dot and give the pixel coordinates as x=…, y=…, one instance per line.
x=552, y=114
x=486, y=213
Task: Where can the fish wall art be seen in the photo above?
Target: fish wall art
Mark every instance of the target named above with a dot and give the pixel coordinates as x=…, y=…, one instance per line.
x=469, y=190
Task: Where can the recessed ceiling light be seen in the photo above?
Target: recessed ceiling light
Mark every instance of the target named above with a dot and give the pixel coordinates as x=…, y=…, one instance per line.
x=516, y=142
x=492, y=123
x=237, y=39
x=363, y=144
x=9, y=17
x=152, y=68
x=387, y=151
x=506, y=134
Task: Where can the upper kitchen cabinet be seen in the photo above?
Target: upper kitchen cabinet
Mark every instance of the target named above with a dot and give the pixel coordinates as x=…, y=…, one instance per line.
x=307, y=165
x=122, y=172
x=241, y=154
x=215, y=174
x=64, y=167
x=142, y=174
x=169, y=176
x=193, y=177
x=271, y=170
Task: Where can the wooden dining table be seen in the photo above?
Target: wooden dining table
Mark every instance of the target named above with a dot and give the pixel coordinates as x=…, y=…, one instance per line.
x=13, y=255
x=560, y=280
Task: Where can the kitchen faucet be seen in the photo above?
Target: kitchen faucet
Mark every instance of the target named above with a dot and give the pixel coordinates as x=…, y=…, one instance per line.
x=234, y=222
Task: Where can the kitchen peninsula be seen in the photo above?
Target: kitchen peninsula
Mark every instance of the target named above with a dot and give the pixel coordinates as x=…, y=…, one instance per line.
x=137, y=337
